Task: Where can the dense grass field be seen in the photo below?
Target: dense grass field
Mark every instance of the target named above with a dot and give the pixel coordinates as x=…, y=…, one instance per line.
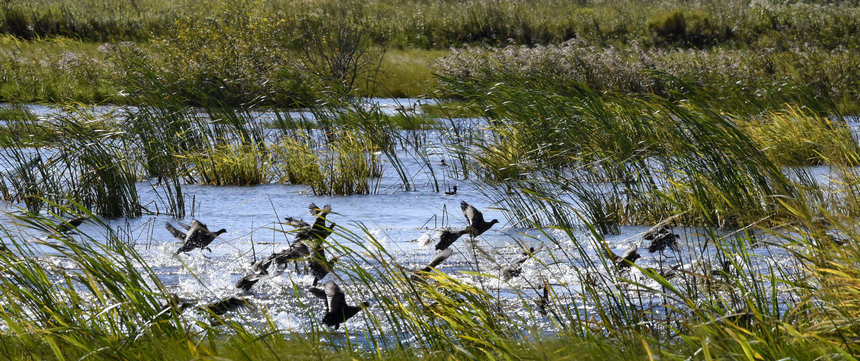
x=603, y=114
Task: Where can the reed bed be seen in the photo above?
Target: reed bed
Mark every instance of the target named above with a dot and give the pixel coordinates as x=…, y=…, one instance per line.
x=75, y=296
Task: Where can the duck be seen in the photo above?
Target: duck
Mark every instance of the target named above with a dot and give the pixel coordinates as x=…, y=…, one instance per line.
x=319, y=265
x=197, y=235
x=338, y=311
x=250, y=280
x=516, y=268
x=624, y=262
x=229, y=304
x=543, y=301
x=476, y=219
x=661, y=238
x=67, y=225
x=448, y=236
x=451, y=192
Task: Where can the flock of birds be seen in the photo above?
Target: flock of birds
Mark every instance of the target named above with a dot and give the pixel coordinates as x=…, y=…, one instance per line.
x=308, y=247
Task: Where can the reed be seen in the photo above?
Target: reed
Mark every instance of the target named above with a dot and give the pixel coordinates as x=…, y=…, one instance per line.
x=89, y=165
x=106, y=301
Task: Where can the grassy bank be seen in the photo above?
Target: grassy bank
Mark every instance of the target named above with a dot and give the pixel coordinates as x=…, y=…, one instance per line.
x=281, y=54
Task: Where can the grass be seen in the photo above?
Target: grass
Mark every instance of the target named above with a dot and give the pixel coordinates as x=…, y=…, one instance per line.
x=734, y=49
x=106, y=302
x=592, y=116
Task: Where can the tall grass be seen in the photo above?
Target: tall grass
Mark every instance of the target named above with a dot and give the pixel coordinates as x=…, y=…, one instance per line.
x=724, y=300
x=86, y=163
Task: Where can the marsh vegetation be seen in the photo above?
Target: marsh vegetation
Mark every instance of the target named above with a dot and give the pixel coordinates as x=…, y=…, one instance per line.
x=587, y=128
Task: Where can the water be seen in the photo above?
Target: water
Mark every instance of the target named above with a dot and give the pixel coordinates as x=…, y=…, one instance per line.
x=396, y=218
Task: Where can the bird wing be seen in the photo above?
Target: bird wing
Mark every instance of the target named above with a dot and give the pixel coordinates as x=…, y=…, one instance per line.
x=175, y=232
x=441, y=257
x=473, y=215
x=186, y=226
x=319, y=212
x=296, y=223
x=336, y=298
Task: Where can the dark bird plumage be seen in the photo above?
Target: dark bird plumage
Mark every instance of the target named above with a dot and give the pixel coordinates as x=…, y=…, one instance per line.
x=296, y=251
x=661, y=238
x=232, y=303
x=515, y=268
x=624, y=262
x=319, y=265
x=476, y=219
x=250, y=280
x=338, y=311
x=543, y=301
x=440, y=257
x=448, y=236
x=197, y=235
x=320, y=293
x=69, y=224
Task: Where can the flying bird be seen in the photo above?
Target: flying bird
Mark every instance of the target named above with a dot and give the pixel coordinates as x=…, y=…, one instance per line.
x=661, y=238
x=229, y=304
x=476, y=219
x=440, y=257
x=448, y=236
x=338, y=311
x=197, y=235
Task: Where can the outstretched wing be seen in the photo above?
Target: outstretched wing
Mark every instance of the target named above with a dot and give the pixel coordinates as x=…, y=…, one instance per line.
x=440, y=257
x=336, y=298
x=175, y=232
x=296, y=223
x=473, y=215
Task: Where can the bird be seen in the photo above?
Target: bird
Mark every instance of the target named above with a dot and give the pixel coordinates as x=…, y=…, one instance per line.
x=624, y=262
x=250, y=280
x=476, y=219
x=232, y=303
x=440, y=257
x=448, y=236
x=319, y=231
x=661, y=238
x=320, y=293
x=451, y=192
x=197, y=235
x=338, y=311
x=68, y=224
x=543, y=301
x=297, y=250
x=516, y=268
x=667, y=274
x=319, y=265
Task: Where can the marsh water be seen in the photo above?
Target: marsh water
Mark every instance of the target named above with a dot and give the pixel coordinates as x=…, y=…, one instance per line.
x=406, y=224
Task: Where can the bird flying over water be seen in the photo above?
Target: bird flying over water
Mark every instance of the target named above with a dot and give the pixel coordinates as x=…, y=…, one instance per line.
x=448, y=236
x=338, y=311
x=661, y=238
x=476, y=219
x=196, y=235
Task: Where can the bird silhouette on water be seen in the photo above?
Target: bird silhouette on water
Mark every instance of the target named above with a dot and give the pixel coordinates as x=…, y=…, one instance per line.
x=624, y=262
x=229, y=304
x=338, y=311
x=661, y=238
x=440, y=257
x=476, y=219
x=319, y=265
x=68, y=225
x=451, y=192
x=515, y=268
x=196, y=235
x=250, y=280
x=448, y=236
